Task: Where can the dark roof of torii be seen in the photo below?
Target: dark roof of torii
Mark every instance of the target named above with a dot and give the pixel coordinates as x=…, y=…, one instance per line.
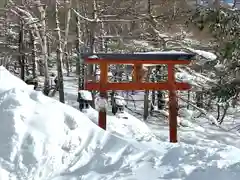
x=142, y=56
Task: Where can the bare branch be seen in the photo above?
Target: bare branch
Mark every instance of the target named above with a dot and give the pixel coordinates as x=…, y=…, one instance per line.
x=82, y=17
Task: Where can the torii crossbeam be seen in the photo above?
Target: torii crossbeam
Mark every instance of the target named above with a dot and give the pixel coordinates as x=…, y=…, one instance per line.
x=137, y=60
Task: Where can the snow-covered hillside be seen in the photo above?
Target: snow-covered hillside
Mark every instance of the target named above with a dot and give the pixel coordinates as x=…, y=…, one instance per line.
x=42, y=139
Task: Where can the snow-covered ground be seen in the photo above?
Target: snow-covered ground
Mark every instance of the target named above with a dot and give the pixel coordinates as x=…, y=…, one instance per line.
x=42, y=139
x=193, y=131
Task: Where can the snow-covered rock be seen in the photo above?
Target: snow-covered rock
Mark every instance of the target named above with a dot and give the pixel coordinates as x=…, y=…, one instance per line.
x=120, y=101
x=86, y=95
x=101, y=103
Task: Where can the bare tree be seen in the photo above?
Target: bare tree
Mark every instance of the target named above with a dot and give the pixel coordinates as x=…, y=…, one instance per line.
x=42, y=10
x=67, y=22
x=79, y=65
x=59, y=56
x=21, y=45
x=34, y=50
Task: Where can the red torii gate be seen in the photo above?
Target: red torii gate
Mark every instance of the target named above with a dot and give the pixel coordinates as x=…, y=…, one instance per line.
x=137, y=60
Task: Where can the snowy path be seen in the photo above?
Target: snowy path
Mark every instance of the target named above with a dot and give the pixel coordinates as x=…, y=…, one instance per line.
x=205, y=134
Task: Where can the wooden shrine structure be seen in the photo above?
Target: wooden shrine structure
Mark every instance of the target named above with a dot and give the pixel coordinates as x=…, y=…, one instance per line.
x=138, y=60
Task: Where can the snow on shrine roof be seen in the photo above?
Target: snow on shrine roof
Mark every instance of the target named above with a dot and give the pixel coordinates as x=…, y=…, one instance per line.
x=168, y=55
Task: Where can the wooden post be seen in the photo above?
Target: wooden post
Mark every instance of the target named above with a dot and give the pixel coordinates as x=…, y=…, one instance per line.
x=102, y=118
x=137, y=72
x=173, y=111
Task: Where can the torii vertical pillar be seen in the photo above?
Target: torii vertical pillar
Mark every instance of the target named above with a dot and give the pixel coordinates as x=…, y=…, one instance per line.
x=102, y=119
x=173, y=105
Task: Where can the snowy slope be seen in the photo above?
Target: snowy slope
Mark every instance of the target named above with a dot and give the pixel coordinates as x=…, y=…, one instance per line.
x=128, y=127
x=37, y=133
x=42, y=139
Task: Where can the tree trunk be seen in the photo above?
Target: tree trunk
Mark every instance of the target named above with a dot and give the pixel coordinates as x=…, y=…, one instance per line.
x=199, y=99
x=42, y=10
x=67, y=22
x=48, y=47
x=146, y=105
x=21, y=51
x=79, y=65
x=199, y=96
x=66, y=60
x=59, y=57
x=160, y=94
x=146, y=99
x=34, y=49
x=189, y=98
x=91, y=68
x=92, y=35
x=153, y=94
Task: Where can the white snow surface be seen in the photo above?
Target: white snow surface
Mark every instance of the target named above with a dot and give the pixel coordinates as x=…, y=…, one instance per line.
x=101, y=103
x=208, y=56
x=163, y=52
x=120, y=101
x=86, y=95
x=42, y=139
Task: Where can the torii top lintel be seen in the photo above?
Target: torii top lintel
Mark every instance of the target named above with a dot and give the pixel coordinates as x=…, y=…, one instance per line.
x=140, y=58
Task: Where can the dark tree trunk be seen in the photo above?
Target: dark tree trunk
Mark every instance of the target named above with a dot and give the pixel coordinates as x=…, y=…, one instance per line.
x=21, y=52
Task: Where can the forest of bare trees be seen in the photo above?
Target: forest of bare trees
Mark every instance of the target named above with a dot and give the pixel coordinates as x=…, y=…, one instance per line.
x=37, y=35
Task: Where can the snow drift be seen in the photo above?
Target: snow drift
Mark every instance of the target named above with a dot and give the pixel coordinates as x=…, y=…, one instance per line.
x=42, y=139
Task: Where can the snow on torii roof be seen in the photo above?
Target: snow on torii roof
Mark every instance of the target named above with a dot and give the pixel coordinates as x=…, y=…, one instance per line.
x=164, y=55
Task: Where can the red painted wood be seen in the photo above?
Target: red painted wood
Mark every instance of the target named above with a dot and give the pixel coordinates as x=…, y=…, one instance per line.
x=137, y=76
x=103, y=86
x=102, y=118
x=173, y=111
x=136, y=86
